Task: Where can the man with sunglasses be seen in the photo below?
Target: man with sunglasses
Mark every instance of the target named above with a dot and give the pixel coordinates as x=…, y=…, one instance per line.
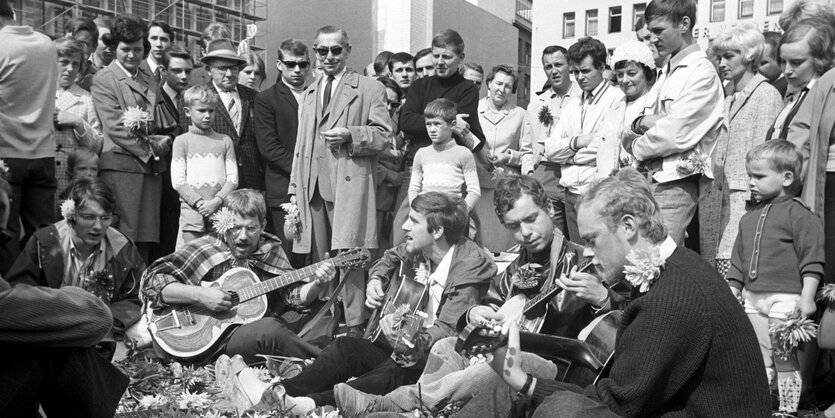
x=343, y=125
x=276, y=125
x=234, y=110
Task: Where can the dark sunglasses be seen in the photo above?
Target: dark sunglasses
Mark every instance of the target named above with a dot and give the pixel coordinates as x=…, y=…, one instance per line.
x=323, y=50
x=293, y=64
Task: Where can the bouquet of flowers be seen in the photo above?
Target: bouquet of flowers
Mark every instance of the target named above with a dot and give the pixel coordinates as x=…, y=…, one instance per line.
x=292, y=221
x=693, y=162
x=100, y=283
x=789, y=334
x=138, y=123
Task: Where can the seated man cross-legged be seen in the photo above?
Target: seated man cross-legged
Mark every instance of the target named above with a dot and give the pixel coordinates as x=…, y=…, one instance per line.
x=459, y=275
x=175, y=280
x=449, y=378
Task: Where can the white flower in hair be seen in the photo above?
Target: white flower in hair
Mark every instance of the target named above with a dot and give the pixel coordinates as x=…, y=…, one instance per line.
x=633, y=51
x=223, y=220
x=67, y=209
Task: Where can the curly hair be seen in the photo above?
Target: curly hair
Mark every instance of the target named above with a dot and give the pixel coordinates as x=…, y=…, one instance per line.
x=85, y=190
x=588, y=47
x=127, y=29
x=511, y=188
x=443, y=210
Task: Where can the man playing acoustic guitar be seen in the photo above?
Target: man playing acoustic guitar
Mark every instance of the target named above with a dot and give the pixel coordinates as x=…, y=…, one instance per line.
x=175, y=280
x=458, y=273
x=523, y=207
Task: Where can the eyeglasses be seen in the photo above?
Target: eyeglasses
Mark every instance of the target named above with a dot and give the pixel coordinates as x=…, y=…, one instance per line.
x=323, y=50
x=301, y=64
x=224, y=68
x=250, y=229
x=90, y=218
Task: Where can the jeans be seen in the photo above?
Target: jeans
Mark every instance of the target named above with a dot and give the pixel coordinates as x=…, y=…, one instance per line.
x=677, y=201
x=344, y=358
x=66, y=382
x=571, y=217
x=268, y=335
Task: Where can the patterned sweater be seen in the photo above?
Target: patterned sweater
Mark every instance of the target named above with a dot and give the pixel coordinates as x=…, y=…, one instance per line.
x=203, y=165
x=450, y=169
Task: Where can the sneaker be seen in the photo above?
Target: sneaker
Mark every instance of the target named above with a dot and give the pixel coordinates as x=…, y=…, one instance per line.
x=352, y=402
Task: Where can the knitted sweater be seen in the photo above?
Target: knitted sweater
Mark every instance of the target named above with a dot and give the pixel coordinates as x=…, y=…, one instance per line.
x=790, y=248
x=450, y=169
x=203, y=165
x=684, y=349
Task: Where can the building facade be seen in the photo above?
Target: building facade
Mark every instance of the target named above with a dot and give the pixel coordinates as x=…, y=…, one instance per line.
x=188, y=18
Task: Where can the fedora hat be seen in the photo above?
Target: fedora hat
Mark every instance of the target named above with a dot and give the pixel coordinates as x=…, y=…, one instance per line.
x=221, y=49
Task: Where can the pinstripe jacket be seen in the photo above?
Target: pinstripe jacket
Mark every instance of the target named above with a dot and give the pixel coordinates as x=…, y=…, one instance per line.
x=250, y=167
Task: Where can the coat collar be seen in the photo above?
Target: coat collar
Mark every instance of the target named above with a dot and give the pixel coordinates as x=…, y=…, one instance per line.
x=138, y=83
x=739, y=101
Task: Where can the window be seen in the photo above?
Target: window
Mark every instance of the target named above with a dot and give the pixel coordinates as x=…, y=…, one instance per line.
x=568, y=25
x=746, y=8
x=591, y=22
x=717, y=10
x=614, y=19
x=775, y=7
x=638, y=12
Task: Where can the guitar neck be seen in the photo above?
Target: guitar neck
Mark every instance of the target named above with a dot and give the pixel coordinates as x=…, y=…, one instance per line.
x=550, y=291
x=267, y=286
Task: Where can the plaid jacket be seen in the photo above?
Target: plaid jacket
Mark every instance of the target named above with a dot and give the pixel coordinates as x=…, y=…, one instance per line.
x=250, y=168
x=207, y=259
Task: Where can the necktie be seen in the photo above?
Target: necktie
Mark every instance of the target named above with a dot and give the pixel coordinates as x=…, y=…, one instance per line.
x=158, y=73
x=179, y=104
x=326, y=100
x=234, y=115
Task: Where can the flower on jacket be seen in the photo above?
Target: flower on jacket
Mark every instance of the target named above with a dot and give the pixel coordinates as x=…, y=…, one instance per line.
x=422, y=273
x=545, y=117
x=68, y=209
x=644, y=267
x=223, y=220
x=694, y=162
x=527, y=276
x=789, y=334
x=100, y=283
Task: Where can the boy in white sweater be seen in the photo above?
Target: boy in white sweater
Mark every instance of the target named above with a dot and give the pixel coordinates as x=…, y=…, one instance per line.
x=203, y=165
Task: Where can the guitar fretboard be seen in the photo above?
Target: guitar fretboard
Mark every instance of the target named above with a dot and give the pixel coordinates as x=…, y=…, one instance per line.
x=261, y=288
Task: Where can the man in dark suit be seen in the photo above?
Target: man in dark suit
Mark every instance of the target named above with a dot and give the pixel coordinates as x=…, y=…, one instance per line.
x=160, y=38
x=276, y=123
x=171, y=120
x=234, y=116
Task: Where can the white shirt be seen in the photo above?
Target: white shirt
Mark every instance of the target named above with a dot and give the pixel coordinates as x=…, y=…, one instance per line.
x=335, y=83
x=599, y=114
x=539, y=132
x=130, y=75
x=172, y=94
x=226, y=97
x=690, y=101
x=152, y=65
x=437, y=281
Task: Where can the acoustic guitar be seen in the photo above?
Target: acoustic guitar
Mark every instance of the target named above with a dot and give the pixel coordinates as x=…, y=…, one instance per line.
x=402, y=291
x=584, y=360
x=190, y=332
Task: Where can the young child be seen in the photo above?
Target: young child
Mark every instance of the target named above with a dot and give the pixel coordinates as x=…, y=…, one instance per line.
x=76, y=123
x=203, y=165
x=82, y=163
x=778, y=257
x=445, y=166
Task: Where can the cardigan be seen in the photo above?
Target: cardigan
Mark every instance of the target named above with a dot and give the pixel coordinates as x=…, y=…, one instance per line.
x=685, y=348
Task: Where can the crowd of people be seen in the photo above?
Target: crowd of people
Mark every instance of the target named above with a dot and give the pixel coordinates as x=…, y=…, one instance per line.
x=699, y=185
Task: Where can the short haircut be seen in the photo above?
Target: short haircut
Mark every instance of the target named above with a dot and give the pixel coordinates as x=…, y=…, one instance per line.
x=745, y=39
x=511, y=188
x=804, y=9
x=553, y=49
x=381, y=61
x=295, y=46
x=247, y=203
x=588, y=47
x=449, y=39
x=69, y=48
x=441, y=108
x=626, y=193
x=78, y=24
x=443, y=210
x=781, y=155
x=200, y=93
x=422, y=53
x=391, y=84
x=401, y=57
x=503, y=68
x=327, y=30
x=175, y=51
x=215, y=31
x=674, y=10
x=85, y=190
x=77, y=156
x=6, y=9
x=165, y=28
x=640, y=22
x=773, y=39
x=819, y=36
x=471, y=66
x=128, y=29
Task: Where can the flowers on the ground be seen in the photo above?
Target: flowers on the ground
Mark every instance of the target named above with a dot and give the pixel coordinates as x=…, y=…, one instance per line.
x=68, y=209
x=153, y=402
x=644, y=267
x=223, y=220
x=789, y=334
x=197, y=400
x=292, y=221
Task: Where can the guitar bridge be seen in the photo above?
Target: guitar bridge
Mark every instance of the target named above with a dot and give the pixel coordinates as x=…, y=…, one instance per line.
x=172, y=320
